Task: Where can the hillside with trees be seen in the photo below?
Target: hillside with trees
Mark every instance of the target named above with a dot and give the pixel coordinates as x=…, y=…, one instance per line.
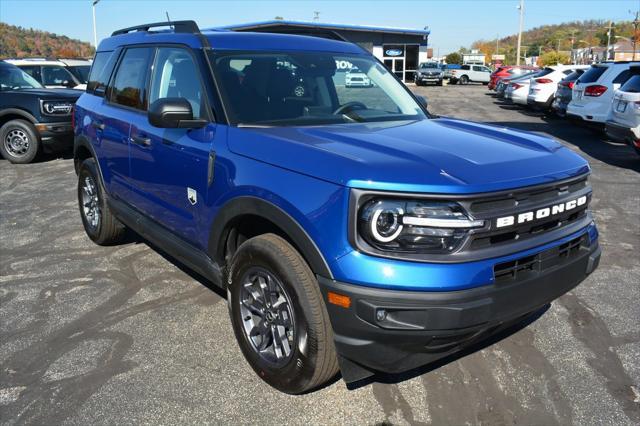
x=18, y=42
x=554, y=38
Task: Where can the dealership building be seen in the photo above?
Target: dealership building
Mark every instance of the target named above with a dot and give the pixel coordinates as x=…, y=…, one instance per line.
x=400, y=49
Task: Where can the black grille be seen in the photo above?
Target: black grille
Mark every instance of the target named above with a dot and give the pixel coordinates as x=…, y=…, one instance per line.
x=527, y=267
x=521, y=201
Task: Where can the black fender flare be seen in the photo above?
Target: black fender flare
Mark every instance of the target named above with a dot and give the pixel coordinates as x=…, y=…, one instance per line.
x=245, y=205
x=83, y=142
x=20, y=112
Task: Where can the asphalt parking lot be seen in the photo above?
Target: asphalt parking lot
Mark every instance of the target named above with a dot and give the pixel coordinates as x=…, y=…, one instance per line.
x=120, y=335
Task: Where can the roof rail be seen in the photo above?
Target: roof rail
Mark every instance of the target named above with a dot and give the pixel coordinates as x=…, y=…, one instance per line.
x=178, y=27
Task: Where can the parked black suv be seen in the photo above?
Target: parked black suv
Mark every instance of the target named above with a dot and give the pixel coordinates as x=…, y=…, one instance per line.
x=32, y=118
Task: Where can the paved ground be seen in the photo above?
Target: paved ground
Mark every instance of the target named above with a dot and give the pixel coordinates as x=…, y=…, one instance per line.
x=92, y=335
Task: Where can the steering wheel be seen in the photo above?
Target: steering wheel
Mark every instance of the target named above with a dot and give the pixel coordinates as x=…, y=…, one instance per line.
x=348, y=107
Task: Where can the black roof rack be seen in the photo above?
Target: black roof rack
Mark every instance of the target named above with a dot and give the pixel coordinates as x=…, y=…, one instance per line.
x=178, y=27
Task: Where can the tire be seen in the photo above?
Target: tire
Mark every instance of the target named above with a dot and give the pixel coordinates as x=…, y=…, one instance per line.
x=99, y=222
x=19, y=142
x=439, y=83
x=311, y=360
x=464, y=80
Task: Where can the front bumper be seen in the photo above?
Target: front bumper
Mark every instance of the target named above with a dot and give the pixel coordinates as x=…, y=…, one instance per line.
x=429, y=79
x=55, y=136
x=394, y=331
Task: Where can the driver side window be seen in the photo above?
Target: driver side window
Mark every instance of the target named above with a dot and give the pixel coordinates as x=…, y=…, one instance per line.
x=175, y=75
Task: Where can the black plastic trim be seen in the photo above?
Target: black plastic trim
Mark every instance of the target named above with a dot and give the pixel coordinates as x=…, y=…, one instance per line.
x=180, y=249
x=20, y=112
x=248, y=205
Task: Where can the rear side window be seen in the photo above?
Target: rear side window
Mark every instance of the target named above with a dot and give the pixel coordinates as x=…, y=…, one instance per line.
x=573, y=76
x=592, y=75
x=622, y=77
x=632, y=85
x=129, y=84
x=100, y=72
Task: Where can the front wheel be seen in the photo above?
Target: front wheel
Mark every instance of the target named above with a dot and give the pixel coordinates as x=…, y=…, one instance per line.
x=279, y=317
x=99, y=222
x=19, y=142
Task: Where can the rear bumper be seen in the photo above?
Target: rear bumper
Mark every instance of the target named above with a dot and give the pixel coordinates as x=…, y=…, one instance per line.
x=587, y=113
x=622, y=133
x=393, y=331
x=55, y=136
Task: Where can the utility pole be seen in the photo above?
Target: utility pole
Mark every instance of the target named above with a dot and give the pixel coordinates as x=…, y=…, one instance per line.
x=95, y=33
x=521, y=7
x=635, y=33
x=497, y=44
x=606, y=57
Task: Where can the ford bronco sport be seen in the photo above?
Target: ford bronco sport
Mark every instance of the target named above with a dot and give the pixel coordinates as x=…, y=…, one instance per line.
x=32, y=119
x=351, y=230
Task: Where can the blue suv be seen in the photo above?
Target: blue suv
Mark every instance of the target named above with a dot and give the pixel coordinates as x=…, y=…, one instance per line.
x=352, y=230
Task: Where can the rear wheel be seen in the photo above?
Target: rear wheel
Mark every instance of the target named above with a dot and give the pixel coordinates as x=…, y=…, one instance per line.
x=279, y=317
x=19, y=143
x=99, y=222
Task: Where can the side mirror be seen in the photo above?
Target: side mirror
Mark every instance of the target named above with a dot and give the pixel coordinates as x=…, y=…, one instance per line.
x=68, y=83
x=422, y=101
x=171, y=113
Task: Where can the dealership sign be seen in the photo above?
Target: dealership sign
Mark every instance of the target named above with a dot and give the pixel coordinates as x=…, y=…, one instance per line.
x=393, y=52
x=497, y=57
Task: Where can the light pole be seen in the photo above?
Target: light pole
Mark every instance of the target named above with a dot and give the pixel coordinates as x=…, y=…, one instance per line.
x=95, y=34
x=521, y=7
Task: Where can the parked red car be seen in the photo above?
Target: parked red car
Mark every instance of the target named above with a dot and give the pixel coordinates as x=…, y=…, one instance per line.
x=508, y=71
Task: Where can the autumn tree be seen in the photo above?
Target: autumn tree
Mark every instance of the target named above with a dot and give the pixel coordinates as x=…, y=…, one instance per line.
x=453, y=58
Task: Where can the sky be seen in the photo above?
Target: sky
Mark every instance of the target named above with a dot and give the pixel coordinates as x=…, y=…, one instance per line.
x=453, y=23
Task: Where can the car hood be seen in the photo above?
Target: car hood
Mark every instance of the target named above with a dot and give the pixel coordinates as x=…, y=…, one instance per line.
x=70, y=94
x=438, y=155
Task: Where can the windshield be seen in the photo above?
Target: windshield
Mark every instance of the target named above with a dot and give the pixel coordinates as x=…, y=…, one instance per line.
x=430, y=65
x=15, y=79
x=293, y=89
x=81, y=72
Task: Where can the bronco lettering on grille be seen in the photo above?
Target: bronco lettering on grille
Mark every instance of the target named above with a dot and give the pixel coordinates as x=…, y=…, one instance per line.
x=530, y=216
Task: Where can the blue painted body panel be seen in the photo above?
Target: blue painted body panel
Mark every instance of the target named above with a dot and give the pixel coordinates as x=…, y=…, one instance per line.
x=308, y=172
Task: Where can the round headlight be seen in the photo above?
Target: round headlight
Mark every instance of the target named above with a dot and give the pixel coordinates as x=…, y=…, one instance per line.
x=386, y=223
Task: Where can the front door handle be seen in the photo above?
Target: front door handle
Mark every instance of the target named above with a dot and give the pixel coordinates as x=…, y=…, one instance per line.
x=141, y=141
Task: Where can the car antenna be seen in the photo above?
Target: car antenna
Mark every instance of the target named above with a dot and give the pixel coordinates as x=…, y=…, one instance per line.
x=168, y=19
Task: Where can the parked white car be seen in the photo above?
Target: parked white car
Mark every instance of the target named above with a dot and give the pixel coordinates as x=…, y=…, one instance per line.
x=356, y=78
x=593, y=91
x=470, y=73
x=518, y=89
x=52, y=74
x=542, y=89
x=623, y=123
x=78, y=67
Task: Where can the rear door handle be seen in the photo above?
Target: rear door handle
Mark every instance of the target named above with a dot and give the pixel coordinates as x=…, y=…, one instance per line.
x=98, y=125
x=141, y=141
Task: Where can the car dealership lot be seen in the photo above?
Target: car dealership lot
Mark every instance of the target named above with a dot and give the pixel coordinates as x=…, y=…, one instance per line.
x=94, y=335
